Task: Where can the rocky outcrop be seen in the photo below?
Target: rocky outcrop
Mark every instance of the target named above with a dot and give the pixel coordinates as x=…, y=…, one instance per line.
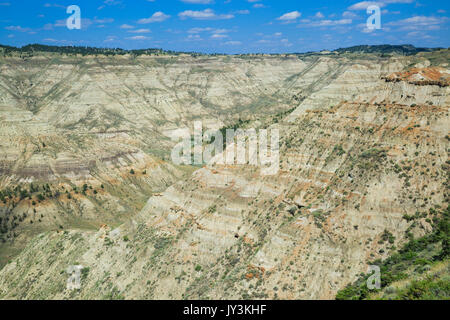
x=422, y=77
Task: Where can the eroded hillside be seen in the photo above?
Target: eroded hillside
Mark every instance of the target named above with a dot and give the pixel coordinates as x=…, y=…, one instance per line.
x=358, y=154
x=85, y=139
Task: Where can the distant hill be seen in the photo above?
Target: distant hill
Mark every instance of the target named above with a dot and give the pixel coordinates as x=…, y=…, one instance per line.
x=380, y=49
x=406, y=49
x=82, y=50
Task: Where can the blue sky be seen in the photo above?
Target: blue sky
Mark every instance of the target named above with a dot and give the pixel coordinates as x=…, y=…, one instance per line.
x=225, y=26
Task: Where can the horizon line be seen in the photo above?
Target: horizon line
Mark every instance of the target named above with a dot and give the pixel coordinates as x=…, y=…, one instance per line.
x=161, y=50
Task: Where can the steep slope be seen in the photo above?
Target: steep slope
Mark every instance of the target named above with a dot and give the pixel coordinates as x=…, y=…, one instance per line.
x=357, y=155
x=419, y=271
x=85, y=139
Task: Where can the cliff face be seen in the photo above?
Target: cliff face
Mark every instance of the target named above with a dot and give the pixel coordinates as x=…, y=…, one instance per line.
x=422, y=76
x=357, y=154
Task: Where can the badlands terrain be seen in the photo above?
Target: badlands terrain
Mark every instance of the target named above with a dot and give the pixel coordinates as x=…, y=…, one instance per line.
x=86, y=176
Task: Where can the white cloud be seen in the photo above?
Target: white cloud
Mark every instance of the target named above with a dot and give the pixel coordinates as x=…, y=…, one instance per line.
x=233, y=43
x=326, y=23
x=194, y=37
x=290, y=16
x=110, y=39
x=419, y=23
x=207, y=14
x=215, y=33
x=198, y=30
x=138, y=38
x=140, y=31
x=286, y=42
x=102, y=21
x=156, y=17
x=109, y=3
x=219, y=36
x=54, y=5
x=363, y=5
x=319, y=15
x=418, y=34
x=59, y=42
x=221, y=31
x=85, y=23
x=198, y=1
x=126, y=26
x=349, y=14
x=18, y=28
x=397, y=1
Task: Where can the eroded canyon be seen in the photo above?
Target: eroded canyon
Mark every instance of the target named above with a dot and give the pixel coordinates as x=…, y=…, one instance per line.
x=86, y=175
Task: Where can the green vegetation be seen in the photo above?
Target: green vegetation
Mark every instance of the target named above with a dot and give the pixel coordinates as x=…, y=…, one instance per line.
x=162, y=243
x=320, y=217
x=371, y=158
x=281, y=115
x=411, y=263
x=385, y=49
x=373, y=154
x=72, y=50
x=114, y=295
x=387, y=236
x=433, y=287
x=85, y=272
x=238, y=125
x=11, y=197
x=339, y=150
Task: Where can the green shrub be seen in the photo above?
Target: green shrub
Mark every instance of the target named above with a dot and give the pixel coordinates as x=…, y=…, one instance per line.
x=399, y=265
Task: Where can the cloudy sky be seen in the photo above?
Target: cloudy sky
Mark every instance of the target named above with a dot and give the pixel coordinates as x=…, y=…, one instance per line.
x=225, y=26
